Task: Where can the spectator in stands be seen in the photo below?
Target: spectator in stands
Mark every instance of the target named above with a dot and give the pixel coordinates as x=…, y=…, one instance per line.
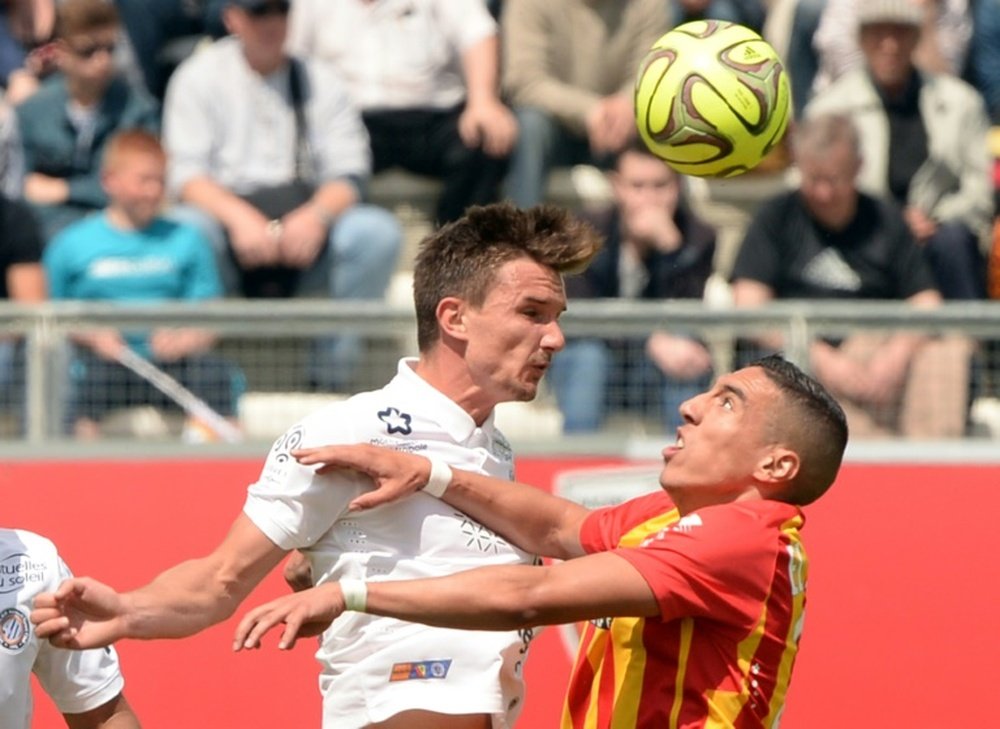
x=656, y=248
x=21, y=280
x=569, y=73
x=924, y=143
x=11, y=154
x=829, y=240
x=425, y=74
x=274, y=158
x=129, y=253
x=65, y=125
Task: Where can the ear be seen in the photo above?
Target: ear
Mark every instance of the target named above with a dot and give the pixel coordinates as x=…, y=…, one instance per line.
x=778, y=467
x=451, y=318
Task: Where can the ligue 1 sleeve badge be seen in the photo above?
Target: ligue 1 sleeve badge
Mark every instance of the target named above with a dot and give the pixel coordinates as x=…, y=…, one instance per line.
x=14, y=630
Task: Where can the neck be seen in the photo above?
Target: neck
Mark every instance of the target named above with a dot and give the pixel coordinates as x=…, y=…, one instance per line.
x=264, y=65
x=85, y=94
x=122, y=220
x=444, y=368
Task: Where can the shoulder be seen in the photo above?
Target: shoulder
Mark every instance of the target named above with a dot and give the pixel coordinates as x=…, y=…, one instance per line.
x=20, y=543
x=51, y=94
x=852, y=89
x=76, y=234
x=952, y=86
x=221, y=53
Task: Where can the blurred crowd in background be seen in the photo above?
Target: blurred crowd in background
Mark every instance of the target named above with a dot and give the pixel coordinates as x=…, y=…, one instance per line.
x=160, y=150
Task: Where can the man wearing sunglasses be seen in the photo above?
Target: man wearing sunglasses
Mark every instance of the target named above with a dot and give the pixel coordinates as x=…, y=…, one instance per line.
x=66, y=124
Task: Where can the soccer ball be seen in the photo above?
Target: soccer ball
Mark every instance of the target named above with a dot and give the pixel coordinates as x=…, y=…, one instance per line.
x=712, y=98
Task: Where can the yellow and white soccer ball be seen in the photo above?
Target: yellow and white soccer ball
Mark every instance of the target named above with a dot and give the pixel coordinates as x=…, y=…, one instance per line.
x=712, y=98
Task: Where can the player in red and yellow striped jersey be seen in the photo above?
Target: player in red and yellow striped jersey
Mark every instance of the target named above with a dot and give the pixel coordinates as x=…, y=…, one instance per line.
x=729, y=580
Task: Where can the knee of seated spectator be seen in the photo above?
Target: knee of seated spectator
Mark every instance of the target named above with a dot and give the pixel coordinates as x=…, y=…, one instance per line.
x=367, y=231
x=534, y=125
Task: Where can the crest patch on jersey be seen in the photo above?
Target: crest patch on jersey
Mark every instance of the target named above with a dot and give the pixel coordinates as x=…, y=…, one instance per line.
x=14, y=629
x=395, y=421
x=420, y=670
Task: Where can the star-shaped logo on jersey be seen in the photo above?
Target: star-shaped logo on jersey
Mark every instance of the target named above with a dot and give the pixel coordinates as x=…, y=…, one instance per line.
x=395, y=421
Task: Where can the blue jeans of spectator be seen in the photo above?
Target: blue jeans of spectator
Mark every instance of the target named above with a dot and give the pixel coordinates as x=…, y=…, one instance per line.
x=592, y=377
x=12, y=380
x=358, y=263
x=542, y=143
x=957, y=263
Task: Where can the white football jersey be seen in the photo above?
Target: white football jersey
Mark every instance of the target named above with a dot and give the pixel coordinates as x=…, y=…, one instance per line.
x=77, y=681
x=375, y=667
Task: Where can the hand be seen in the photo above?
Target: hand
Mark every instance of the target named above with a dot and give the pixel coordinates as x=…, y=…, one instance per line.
x=396, y=474
x=304, y=614
x=105, y=343
x=611, y=124
x=303, y=235
x=488, y=124
x=678, y=357
x=653, y=226
x=253, y=239
x=170, y=345
x=44, y=190
x=921, y=225
x=82, y=613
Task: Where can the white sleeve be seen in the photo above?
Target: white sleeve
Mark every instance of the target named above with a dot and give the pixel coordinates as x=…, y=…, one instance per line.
x=292, y=505
x=77, y=681
x=465, y=22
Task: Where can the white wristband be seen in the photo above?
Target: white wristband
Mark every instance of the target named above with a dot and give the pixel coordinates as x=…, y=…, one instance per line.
x=439, y=479
x=355, y=595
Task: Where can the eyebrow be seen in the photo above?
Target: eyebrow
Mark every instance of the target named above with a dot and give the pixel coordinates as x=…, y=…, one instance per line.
x=734, y=390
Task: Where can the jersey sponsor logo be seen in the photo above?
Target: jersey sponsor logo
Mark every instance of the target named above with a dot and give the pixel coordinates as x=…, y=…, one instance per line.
x=405, y=446
x=601, y=623
x=14, y=629
x=18, y=570
x=396, y=421
x=420, y=670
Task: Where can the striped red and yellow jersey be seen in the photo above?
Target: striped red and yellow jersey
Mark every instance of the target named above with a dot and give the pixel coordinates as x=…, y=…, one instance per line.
x=730, y=580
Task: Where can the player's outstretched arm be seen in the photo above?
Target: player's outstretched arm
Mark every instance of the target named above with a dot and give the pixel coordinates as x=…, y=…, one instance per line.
x=84, y=613
x=535, y=521
x=488, y=598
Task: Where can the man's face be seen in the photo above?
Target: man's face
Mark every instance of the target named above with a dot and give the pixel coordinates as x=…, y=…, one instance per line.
x=828, y=186
x=888, y=50
x=88, y=58
x=641, y=182
x=135, y=184
x=725, y=436
x=512, y=337
x=262, y=30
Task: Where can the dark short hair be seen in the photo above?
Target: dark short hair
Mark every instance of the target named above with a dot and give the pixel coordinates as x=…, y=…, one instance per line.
x=76, y=17
x=462, y=258
x=815, y=427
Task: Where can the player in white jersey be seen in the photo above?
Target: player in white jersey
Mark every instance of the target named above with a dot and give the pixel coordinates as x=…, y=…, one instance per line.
x=85, y=686
x=488, y=292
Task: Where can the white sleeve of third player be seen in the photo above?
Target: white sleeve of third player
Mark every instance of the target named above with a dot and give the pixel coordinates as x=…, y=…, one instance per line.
x=290, y=503
x=77, y=681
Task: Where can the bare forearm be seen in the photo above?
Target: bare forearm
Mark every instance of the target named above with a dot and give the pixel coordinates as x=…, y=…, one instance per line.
x=528, y=517
x=481, y=64
x=333, y=198
x=217, y=201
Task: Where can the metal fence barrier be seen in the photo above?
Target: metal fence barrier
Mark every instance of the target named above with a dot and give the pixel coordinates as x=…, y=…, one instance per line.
x=271, y=349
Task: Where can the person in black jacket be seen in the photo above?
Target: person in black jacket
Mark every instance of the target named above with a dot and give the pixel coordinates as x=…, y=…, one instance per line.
x=656, y=248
